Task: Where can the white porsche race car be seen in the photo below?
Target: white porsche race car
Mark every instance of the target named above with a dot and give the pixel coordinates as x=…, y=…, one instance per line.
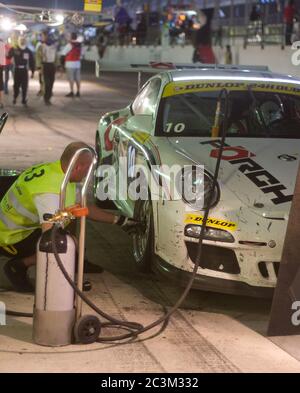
x=173, y=121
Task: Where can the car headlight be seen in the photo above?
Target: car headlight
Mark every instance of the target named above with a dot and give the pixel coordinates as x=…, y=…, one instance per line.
x=195, y=187
x=218, y=235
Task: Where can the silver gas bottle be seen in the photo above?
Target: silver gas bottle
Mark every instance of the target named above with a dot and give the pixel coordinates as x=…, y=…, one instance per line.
x=54, y=310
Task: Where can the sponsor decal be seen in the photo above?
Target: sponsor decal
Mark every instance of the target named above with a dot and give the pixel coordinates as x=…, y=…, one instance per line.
x=108, y=139
x=93, y=5
x=141, y=137
x=175, y=88
x=232, y=153
x=265, y=181
x=287, y=157
x=218, y=223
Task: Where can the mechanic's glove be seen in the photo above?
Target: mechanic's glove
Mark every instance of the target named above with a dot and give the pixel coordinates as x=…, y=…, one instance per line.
x=129, y=224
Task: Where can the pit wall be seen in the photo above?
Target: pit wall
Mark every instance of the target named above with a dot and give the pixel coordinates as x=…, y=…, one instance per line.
x=277, y=59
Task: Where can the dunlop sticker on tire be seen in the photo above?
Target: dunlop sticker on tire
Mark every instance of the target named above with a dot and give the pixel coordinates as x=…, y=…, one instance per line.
x=211, y=222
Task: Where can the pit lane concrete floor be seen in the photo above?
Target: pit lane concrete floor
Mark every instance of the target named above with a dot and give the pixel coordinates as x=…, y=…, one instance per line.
x=210, y=333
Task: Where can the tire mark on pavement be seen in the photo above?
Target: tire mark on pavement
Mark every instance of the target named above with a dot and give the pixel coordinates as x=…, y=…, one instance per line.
x=210, y=357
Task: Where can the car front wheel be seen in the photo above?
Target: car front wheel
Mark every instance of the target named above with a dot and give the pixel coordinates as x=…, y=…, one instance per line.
x=143, y=240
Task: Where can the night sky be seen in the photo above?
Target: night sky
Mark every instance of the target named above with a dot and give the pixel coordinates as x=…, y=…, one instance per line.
x=60, y=4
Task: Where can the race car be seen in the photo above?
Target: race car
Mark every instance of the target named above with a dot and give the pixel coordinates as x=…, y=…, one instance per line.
x=176, y=119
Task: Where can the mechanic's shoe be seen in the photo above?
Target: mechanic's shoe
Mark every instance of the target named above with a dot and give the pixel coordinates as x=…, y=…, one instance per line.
x=86, y=286
x=48, y=103
x=16, y=272
x=14, y=101
x=78, y=94
x=71, y=94
x=24, y=102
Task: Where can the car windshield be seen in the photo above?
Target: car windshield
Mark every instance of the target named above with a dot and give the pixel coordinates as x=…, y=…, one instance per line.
x=252, y=113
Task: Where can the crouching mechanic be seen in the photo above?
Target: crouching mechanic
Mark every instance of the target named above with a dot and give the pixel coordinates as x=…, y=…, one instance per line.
x=33, y=196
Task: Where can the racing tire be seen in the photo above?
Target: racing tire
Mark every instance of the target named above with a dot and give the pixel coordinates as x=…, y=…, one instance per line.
x=143, y=239
x=107, y=204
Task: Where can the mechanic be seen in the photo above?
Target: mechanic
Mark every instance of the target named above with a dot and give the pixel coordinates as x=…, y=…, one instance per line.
x=32, y=196
x=23, y=60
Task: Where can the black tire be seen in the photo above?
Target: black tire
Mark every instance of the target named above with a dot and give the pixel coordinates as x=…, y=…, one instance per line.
x=87, y=329
x=97, y=146
x=143, y=240
x=107, y=204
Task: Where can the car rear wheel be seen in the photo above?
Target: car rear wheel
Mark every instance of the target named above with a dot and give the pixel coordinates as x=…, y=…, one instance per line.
x=143, y=240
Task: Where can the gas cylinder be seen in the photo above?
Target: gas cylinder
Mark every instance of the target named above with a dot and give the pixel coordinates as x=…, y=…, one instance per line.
x=54, y=309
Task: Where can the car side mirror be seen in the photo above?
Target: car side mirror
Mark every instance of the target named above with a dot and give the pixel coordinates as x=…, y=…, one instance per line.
x=3, y=119
x=140, y=123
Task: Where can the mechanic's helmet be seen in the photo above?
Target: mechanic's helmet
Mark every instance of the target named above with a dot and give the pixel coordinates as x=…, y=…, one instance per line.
x=269, y=112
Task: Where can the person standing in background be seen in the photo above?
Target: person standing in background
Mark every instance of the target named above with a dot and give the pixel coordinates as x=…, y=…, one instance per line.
x=228, y=55
x=288, y=16
x=72, y=52
x=2, y=65
x=23, y=61
x=8, y=65
x=49, y=66
x=254, y=14
x=39, y=66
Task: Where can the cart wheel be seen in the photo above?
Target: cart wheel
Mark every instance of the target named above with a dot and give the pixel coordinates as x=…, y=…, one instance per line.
x=87, y=286
x=87, y=329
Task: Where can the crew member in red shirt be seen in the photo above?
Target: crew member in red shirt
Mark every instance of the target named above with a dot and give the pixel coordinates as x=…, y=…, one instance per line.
x=288, y=16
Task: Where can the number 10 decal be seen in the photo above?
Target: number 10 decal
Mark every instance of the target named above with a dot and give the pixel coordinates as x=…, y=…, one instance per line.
x=178, y=128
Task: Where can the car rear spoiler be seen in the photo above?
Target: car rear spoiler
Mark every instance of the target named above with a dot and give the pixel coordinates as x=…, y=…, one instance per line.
x=157, y=67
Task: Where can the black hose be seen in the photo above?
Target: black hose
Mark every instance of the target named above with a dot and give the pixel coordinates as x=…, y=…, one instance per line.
x=19, y=314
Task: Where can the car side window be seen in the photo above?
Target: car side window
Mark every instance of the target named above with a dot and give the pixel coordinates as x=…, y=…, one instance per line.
x=146, y=101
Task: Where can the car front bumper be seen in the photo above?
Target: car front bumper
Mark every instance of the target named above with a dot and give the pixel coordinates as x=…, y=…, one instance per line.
x=208, y=283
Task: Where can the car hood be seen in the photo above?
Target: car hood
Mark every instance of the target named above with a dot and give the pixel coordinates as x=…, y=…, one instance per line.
x=260, y=172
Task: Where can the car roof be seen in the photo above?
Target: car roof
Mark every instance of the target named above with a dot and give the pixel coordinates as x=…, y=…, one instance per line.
x=243, y=74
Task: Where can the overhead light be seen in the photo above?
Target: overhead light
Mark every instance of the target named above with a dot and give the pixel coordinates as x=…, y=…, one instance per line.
x=6, y=24
x=21, y=27
x=59, y=18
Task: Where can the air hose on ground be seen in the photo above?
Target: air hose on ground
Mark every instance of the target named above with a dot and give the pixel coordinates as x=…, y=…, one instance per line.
x=134, y=328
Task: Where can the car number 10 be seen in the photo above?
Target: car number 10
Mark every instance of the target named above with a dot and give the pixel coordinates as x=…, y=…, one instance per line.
x=178, y=128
